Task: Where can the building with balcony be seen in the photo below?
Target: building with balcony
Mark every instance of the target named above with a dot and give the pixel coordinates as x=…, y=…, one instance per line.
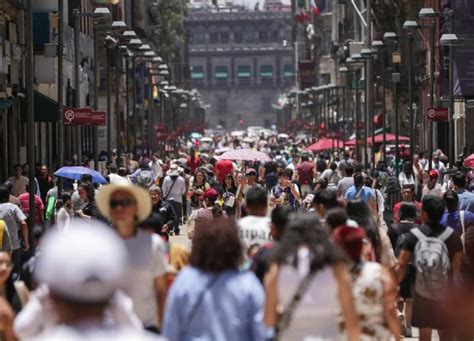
x=240, y=61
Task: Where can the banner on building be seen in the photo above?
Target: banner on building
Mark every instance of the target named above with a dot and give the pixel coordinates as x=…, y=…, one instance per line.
x=307, y=72
x=463, y=55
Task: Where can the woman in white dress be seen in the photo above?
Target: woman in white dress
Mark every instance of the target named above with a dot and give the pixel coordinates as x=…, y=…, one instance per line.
x=307, y=288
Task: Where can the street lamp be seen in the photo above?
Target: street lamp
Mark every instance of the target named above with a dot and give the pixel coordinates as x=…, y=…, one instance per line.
x=450, y=40
x=389, y=36
x=355, y=61
x=99, y=12
x=379, y=45
x=429, y=13
x=344, y=70
x=410, y=26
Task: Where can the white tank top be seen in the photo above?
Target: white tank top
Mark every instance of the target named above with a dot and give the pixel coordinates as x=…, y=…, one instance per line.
x=318, y=314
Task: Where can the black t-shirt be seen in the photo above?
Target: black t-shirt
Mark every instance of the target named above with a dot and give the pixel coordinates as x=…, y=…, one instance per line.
x=397, y=229
x=270, y=167
x=261, y=261
x=453, y=243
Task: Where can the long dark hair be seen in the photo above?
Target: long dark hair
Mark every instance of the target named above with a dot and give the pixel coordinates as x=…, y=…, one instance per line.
x=360, y=212
x=434, y=207
x=204, y=177
x=231, y=177
x=305, y=229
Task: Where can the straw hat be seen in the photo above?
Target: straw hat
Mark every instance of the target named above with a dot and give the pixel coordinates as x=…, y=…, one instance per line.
x=141, y=196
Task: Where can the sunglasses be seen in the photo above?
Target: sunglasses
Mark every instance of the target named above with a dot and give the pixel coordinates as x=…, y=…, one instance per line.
x=114, y=203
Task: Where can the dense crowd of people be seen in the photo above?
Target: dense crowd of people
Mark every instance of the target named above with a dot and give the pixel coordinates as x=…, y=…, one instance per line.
x=192, y=245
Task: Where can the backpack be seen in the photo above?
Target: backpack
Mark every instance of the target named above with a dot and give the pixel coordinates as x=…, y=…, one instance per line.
x=145, y=179
x=392, y=194
x=431, y=260
x=402, y=237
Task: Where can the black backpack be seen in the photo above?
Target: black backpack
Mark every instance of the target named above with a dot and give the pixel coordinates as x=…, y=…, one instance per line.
x=392, y=194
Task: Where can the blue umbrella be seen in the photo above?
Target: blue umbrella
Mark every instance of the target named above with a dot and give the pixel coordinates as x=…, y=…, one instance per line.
x=76, y=172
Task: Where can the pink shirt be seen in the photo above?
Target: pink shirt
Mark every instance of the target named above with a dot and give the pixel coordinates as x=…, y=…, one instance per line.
x=25, y=206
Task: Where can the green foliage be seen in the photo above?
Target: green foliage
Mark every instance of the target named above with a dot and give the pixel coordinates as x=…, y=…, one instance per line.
x=168, y=32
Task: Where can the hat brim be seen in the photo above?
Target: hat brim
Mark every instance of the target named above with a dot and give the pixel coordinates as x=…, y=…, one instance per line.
x=141, y=196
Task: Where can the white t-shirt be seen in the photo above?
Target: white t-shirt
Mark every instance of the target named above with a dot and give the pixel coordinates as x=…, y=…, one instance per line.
x=148, y=260
x=254, y=230
x=94, y=331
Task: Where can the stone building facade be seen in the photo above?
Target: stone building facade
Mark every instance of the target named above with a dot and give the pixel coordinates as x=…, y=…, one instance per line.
x=240, y=61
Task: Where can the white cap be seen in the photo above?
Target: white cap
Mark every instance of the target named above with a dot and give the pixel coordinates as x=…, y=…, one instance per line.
x=85, y=263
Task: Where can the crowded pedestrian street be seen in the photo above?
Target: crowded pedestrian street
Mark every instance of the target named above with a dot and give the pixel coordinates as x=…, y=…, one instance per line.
x=236, y=170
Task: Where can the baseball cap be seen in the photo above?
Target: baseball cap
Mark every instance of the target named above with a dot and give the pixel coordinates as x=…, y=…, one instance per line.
x=250, y=171
x=434, y=174
x=211, y=194
x=85, y=263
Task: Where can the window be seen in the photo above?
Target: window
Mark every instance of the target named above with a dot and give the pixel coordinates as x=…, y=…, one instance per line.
x=214, y=38
x=221, y=72
x=197, y=73
x=238, y=37
x=224, y=37
x=198, y=37
x=263, y=36
x=266, y=71
x=244, y=72
x=288, y=71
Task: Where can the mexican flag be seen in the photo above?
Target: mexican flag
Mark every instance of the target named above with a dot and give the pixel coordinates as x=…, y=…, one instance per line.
x=304, y=9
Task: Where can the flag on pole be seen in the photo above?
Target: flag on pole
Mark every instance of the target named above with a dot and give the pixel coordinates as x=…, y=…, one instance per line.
x=314, y=8
x=304, y=10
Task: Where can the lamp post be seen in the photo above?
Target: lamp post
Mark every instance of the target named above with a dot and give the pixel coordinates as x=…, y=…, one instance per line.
x=367, y=54
x=429, y=13
x=127, y=36
x=344, y=70
x=99, y=12
x=379, y=46
x=134, y=43
x=450, y=40
x=395, y=81
x=30, y=116
x=410, y=26
x=359, y=58
x=357, y=66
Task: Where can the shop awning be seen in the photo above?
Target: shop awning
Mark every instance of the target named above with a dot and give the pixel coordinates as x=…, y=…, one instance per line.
x=46, y=109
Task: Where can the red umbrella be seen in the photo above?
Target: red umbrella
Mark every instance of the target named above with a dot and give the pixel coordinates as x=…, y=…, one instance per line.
x=469, y=161
x=245, y=155
x=389, y=138
x=379, y=139
x=325, y=144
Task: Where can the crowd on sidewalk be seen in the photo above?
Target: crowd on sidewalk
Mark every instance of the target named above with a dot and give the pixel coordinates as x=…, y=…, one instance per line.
x=301, y=246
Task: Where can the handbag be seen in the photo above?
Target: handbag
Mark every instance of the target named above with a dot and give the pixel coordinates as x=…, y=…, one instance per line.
x=286, y=316
x=168, y=194
x=196, y=305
